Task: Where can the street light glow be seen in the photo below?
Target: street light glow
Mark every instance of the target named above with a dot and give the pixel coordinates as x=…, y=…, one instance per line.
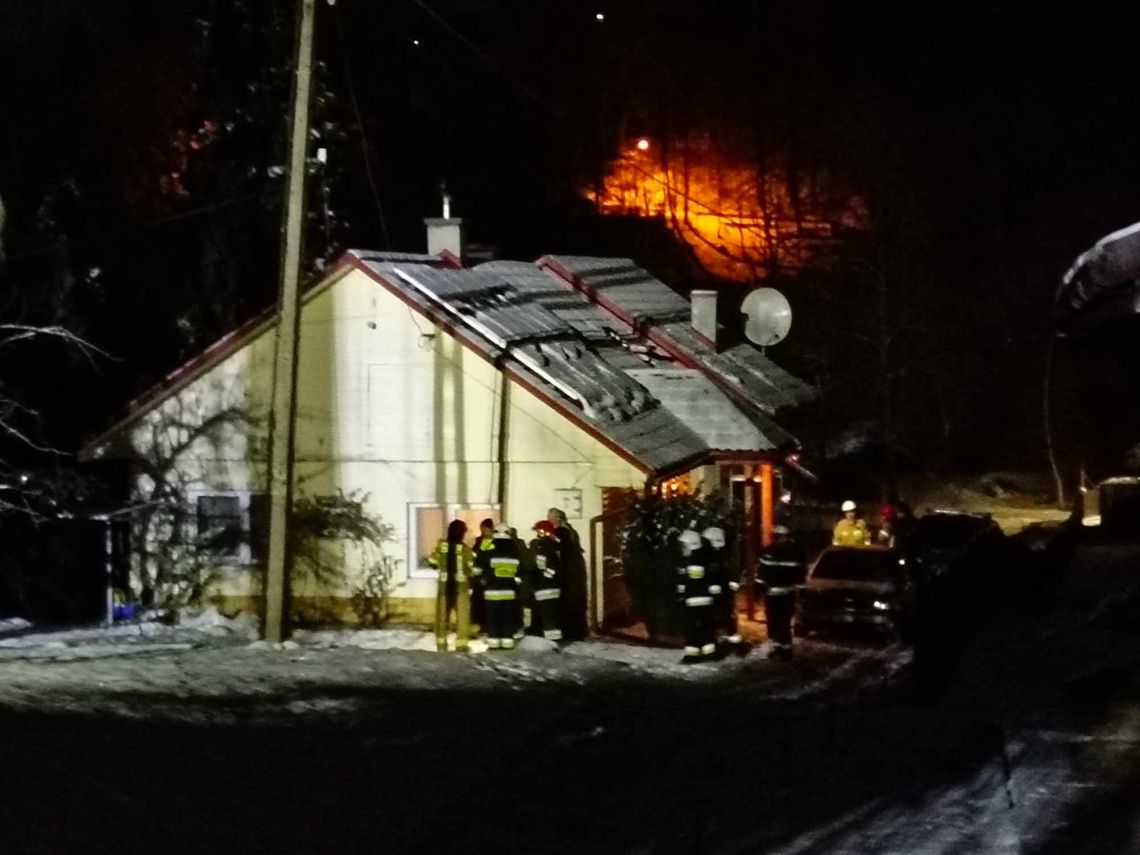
x=601, y=16
x=643, y=144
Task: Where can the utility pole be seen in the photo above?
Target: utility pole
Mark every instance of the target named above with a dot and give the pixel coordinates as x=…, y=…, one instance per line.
x=282, y=415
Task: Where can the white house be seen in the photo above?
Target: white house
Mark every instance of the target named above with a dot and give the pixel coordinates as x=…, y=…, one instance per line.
x=439, y=392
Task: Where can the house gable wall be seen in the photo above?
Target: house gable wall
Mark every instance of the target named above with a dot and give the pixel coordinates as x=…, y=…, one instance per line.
x=388, y=405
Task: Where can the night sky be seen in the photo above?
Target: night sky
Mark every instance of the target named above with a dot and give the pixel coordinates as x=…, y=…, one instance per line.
x=1009, y=139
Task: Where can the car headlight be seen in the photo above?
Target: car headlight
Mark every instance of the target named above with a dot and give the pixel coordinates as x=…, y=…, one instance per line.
x=879, y=604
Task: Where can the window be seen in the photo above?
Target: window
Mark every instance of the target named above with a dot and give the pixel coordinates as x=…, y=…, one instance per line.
x=219, y=524
x=427, y=525
x=233, y=524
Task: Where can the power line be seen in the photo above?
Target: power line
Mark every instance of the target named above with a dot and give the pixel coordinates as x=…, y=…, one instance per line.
x=491, y=63
x=360, y=126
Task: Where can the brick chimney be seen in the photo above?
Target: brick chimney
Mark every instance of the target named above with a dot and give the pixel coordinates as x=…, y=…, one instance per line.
x=703, y=307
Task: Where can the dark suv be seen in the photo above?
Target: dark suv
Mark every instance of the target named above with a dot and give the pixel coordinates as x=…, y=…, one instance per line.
x=964, y=566
x=949, y=544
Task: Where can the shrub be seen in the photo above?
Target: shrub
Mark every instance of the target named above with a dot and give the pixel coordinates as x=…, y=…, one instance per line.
x=651, y=554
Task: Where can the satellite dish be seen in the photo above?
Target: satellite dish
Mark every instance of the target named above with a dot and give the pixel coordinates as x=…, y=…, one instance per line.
x=769, y=316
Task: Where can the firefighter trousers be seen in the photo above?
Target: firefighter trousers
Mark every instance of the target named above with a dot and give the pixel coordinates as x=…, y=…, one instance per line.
x=700, y=630
x=502, y=618
x=725, y=606
x=778, y=610
x=449, y=596
x=546, y=617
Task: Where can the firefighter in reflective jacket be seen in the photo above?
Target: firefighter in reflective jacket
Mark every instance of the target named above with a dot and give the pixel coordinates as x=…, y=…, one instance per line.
x=723, y=585
x=694, y=587
x=456, y=564
x=483, y=543
x=500, y=571
x=782, y=569
x=546, y=618
x=850, y=530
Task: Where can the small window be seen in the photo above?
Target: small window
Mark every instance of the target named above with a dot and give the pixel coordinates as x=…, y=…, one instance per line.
x=220, y=524
x=427, y=525
x=233, y=525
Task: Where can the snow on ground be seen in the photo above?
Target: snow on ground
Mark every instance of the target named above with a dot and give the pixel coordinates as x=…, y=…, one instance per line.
x=1027, y=712
x=206, y=667
x=1014, y=500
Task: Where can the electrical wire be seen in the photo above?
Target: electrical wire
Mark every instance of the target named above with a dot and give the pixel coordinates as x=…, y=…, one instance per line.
x=483, y=55
x=360, y=127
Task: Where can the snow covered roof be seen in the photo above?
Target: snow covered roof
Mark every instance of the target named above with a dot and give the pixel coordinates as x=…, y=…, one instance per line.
x=1104, y=280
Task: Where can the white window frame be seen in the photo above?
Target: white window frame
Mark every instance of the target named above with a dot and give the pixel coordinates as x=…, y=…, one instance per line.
x=244, y=556
x=415, y=570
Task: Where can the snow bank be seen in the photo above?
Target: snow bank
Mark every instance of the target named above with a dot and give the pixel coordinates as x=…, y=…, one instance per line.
x=212, y=622
x=13, y=624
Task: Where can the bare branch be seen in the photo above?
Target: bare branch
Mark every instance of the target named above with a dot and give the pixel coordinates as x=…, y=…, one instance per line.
x=25, y=332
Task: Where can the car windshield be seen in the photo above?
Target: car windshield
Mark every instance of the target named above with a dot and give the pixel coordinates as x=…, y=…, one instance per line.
x=858, y=565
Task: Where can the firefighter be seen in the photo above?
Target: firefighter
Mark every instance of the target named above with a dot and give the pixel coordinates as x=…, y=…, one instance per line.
x=546, y=617
x=885, y=534
x=455, y=562
x=700, y=633
x=850, y=530
x=782, y=568
x=500, y=570
x=724, y=585
x=478, y=606
x=573, y=576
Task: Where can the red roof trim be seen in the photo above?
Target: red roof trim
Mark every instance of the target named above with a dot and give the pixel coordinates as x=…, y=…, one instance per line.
x=450, y=259
x=708, y=342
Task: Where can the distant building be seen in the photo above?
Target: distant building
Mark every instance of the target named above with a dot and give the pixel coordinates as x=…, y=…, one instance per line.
x=448, y=392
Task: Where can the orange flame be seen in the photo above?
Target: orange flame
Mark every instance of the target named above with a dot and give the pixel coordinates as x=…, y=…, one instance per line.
x=741, y=225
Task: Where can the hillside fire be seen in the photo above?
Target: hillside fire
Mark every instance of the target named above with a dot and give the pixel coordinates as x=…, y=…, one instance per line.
x=743, y=222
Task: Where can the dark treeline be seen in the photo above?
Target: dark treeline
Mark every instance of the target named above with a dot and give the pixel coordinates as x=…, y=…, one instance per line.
x=141, y=146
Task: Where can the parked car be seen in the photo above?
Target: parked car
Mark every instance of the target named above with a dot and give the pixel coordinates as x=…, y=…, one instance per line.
x=1111, y=509
x=866, y=588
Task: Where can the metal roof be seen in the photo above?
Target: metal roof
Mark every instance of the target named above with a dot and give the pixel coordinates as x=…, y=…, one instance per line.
x=636, y=396
x=568, y=342
x=508, y=318
x=385, y=255
x=629, y=287
x=640, y=300
x=707, y=411
x=765, y=383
